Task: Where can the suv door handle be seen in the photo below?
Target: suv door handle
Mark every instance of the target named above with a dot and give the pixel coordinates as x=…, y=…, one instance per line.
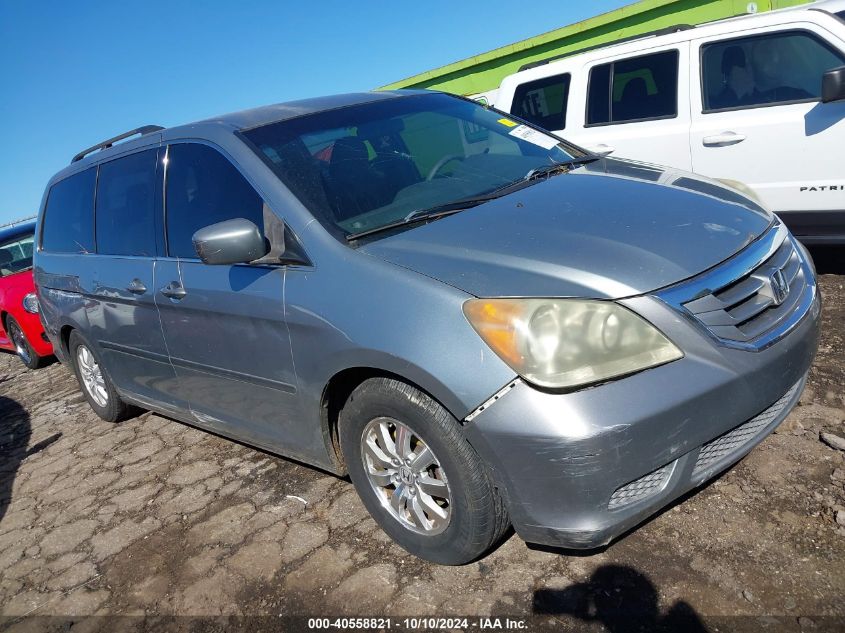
x=174, y=290
x=136, y=287
x=723, y=140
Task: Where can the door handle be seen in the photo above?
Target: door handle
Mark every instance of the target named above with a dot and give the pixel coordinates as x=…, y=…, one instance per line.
x=601, y=149
x=723, y=140
x=136, y=287
x=174, y=290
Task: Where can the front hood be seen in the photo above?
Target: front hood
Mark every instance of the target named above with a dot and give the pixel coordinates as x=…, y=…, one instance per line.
x=609, y=229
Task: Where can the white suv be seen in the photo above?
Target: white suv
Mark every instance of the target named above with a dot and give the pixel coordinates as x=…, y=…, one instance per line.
x=758, y=99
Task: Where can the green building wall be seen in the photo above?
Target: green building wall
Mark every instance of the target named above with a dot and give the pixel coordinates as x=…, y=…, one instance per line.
x=486, y=71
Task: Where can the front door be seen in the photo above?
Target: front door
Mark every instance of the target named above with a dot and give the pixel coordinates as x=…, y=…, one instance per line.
x=758, y=119
x=225, y=325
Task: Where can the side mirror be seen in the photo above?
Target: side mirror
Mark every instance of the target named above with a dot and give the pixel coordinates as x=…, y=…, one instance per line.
x=236, y=241
x=833, y=85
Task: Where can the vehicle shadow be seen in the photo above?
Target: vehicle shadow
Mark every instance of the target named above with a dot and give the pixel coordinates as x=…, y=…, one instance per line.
x=15, y=431
x=829, y=260
x=621, y=599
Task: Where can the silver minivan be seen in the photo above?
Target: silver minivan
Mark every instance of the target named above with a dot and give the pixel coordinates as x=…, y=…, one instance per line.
x=479, y=323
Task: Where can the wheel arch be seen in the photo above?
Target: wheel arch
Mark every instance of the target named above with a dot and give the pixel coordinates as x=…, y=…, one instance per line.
x=337, y=391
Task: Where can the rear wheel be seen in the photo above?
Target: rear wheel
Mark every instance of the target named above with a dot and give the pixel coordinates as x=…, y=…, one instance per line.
x=419, y=478
x=94, y=382
x=22, y=347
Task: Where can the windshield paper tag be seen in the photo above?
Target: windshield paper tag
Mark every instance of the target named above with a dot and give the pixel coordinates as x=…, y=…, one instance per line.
x=534, y=136
x=506, y=122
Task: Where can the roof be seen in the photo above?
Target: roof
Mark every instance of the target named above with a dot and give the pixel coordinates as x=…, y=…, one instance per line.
x=21, y=228
x=227, y=123
x=263, y=115
x=672, y=36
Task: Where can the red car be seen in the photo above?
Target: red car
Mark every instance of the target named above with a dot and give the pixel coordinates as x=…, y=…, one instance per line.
x=20, y=326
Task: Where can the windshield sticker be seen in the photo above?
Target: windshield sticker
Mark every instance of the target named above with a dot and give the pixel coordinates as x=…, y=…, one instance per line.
x=507, y=122
x=534, y=136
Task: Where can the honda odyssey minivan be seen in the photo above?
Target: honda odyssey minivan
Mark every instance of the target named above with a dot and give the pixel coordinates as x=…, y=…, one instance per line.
x=481, y=324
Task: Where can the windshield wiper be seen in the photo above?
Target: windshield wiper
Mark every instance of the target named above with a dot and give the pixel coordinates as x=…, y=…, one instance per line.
x=430, y=213
x=559, y=168
x=442, y=210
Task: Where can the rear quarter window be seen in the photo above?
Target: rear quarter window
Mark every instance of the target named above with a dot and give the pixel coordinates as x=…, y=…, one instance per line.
x=543, y=101
x=68, y=224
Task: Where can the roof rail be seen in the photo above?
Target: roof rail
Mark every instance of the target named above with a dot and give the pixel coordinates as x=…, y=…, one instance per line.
x=666, y=30
x=144, y=129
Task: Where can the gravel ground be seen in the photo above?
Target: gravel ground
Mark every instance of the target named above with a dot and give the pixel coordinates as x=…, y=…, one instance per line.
x=152, y=517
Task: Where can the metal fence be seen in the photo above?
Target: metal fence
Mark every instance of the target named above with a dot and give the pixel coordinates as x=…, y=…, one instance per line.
x=14, y=222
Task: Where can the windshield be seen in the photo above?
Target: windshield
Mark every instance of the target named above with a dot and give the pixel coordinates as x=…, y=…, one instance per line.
x=16, y=255
x=367, y=166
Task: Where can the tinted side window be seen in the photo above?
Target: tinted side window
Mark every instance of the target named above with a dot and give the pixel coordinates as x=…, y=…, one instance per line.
x=203, y=188
x=126, y=205
x=69, y=216
x=543, y=101
x=634, y=89
x=765, y=70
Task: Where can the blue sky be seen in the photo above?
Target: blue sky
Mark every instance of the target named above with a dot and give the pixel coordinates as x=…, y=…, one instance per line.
x=75, y=73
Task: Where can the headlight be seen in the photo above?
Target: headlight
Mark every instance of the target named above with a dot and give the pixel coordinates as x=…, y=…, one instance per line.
x=30, y=303
x=564, y=343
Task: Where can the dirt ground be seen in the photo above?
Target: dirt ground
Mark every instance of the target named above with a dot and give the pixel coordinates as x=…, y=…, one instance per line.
x=154, y=518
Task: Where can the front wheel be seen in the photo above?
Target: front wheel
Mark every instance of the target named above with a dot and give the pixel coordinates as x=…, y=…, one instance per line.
x=22, y=347
x=417, y=475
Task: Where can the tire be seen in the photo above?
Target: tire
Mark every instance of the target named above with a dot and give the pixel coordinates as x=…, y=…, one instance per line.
x=101, y=394
x=22, y=347
x=455, y=528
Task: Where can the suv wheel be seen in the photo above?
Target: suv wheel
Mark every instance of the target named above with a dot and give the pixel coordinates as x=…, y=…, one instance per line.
x=22, y=347
x=417, y=475
x=94, y=382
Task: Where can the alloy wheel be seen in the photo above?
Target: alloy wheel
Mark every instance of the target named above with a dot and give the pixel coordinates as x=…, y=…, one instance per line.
x=406, y=476
x=21, y=344
x=92, y=376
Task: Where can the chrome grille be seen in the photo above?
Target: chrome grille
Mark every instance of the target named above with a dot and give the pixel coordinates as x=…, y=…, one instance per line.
x=755, y=303
x=754, y=298
x=641, y=488
x=734, y=440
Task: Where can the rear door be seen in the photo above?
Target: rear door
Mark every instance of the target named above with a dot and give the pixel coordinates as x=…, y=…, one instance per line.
x=758, y=118
x=225, y=325
x=122, y=315
x=637, y=106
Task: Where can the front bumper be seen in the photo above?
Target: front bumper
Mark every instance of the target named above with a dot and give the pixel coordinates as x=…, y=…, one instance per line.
x=579, y=469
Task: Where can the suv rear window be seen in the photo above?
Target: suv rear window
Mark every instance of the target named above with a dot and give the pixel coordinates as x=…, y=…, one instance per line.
x=543, y=101
x=69, y=216
x=126, y=205
x=16, y=255
x=635, y=89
